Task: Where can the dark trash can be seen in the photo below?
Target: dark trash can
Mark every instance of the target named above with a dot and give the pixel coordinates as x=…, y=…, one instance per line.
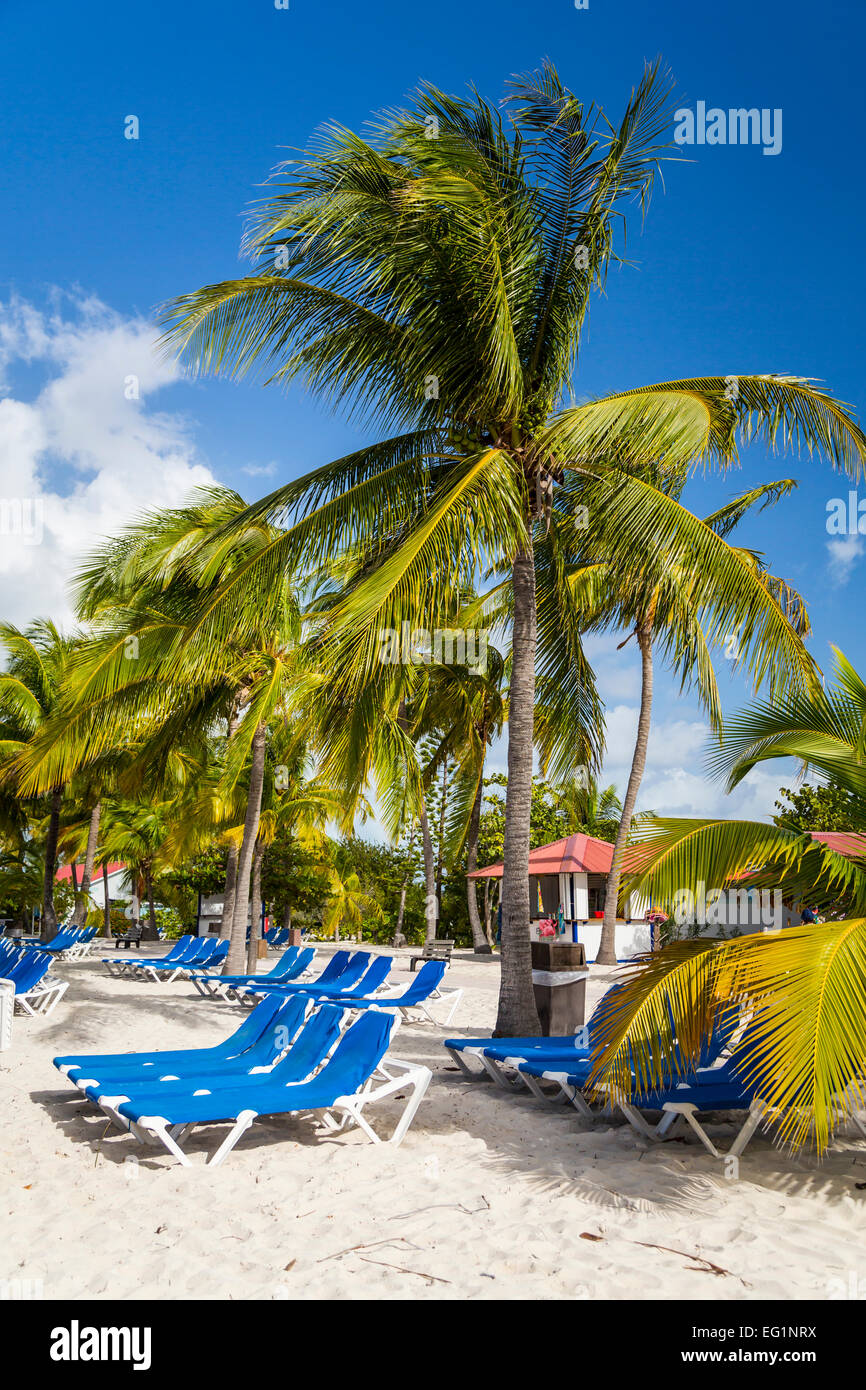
x=561, y=1002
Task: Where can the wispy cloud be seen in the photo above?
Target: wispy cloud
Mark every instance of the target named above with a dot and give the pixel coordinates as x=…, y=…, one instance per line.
x=843, y=552
x=259, y=470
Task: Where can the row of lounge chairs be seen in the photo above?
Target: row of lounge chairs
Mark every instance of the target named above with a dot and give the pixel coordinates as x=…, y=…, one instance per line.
x=187, y=953
x=69, y=943
x=359, y=978
x=558, y=1069
x=292, y=1055
x=35, y=990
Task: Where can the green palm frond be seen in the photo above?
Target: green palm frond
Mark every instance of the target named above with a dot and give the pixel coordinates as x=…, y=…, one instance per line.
x=804, y=1050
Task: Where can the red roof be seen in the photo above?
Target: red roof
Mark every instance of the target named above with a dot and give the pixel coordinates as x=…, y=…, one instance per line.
x=581, y=854
x=846, y=842
x=65, y=871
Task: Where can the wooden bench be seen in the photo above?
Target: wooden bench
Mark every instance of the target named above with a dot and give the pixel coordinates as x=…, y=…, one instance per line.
x=131, y=938
x=433, y=950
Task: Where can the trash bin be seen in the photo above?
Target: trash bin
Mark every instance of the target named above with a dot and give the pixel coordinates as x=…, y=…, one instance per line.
x=559, y=976
x=7, y=1009
x=261, y=948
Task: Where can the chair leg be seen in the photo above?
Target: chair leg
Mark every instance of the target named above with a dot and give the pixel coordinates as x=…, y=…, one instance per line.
x=533, y=1085
x=579, y=1101
x=636, y=1120
x=458, y=995
x=469, y=1072
x=419, y=1087
x=240, y=1127
x=158, y=1127
x=755, y=1116
x=496, y=1075
x=667, y=1123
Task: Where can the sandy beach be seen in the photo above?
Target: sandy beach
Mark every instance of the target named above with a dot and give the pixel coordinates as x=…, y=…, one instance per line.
x=489, y=1196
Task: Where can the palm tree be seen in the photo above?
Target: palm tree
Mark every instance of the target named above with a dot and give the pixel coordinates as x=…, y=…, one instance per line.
x=758, y=617
x=293, y=802
x=157, y=672
x=585, y=805
x=37, y=664
x=467, y=708
x=136, y=832
x=347, y=904
x=438, y=275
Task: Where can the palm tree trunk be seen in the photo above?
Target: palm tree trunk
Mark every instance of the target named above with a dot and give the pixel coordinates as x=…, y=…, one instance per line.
x=518, y=1016
x=440, y=848
x=256, y=913
x=150, y=932
x=430, y=902
x=287, y=916
x=229, y=894
x=106, y=902
x=480, y=944
x=232, y=857
x=237, y=949
x=488, y=913
x=607, y=945
x=49, y=916
x=399, y=937
x=79, y=916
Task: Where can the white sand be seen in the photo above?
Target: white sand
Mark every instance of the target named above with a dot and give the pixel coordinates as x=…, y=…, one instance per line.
x=489, y=1196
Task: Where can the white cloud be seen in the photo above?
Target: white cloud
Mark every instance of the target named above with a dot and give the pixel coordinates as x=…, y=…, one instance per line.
x=843, y=552
x=259, y=470
x=83, y=450
x=676, y=782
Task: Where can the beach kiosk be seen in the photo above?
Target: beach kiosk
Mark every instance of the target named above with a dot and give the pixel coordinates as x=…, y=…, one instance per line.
x=567, y=881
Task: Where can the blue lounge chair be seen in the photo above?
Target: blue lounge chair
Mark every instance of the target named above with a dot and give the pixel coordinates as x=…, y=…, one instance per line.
x=376, y=970
x=292, y=965
x=491, y=1052
x=35, y=991
x=337, y=968
x=425, y=986
x=202, y=952
x=298, y=1057
x=60, y=945
x=357, y=1074
x=116, y=965
x=75, y=1065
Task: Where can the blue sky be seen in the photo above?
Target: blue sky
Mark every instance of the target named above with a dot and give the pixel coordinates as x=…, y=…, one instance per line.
x=747, y=262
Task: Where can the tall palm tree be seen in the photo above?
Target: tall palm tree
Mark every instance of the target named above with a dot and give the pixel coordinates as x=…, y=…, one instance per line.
x=466, y=708
x=437, y=275
x=737, y=607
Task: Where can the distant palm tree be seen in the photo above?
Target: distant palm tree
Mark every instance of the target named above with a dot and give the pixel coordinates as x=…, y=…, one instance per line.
x=159, y=670
x=347, y=906
x=585, y=805
x=37, y=665
x=437, y=277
